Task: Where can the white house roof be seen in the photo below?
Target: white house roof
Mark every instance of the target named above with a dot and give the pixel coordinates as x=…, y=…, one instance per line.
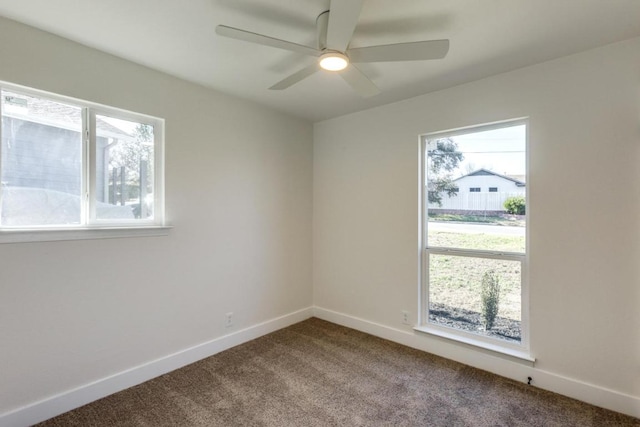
x=483, y=171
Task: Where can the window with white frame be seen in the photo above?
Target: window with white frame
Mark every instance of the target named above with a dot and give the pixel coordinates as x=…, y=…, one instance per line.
x=69, y=164
x=474, y=284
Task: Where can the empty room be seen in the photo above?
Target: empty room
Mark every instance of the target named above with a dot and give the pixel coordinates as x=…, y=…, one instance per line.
x=320, y=213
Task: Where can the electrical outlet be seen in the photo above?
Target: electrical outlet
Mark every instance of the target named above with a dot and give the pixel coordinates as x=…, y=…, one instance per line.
x=228, y=320
x=406, y=318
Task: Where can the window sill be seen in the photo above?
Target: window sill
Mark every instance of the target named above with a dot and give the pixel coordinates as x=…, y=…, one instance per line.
x=53, y=235
x=496, y=348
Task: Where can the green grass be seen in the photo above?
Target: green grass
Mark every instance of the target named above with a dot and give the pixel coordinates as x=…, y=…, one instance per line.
x=489, y=242
x=485, y=219
x=456, y=280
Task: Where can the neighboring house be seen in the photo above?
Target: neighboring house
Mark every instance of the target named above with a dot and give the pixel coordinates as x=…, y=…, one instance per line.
x=35, y=132
x=489, y=182
x=481, y=190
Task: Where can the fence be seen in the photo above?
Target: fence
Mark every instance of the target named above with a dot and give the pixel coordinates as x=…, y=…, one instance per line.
x=123, y=189
x=468, y=201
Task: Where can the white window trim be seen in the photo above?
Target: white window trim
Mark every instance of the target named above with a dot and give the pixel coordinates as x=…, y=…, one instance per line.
x=520, y=351
x=92, y=228
x=31, y=235
x=476, y=341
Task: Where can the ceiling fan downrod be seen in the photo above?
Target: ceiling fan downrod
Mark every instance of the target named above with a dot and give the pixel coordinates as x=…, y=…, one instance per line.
x=330, y=60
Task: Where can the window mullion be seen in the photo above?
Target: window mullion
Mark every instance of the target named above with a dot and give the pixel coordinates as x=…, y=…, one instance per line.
x=476, y=253
x=1, y=153
x=85, y=173
x=423, y=308
x=90, y=199
x=158, y=177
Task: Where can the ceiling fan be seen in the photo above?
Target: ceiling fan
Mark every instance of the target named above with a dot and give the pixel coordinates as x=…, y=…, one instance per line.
x=334, y=30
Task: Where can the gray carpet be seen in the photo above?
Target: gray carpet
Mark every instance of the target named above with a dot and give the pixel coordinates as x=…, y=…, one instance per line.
x=316, y=373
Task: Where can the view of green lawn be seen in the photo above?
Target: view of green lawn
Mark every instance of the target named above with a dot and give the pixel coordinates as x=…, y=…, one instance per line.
x=498, y=243
x=456, y=280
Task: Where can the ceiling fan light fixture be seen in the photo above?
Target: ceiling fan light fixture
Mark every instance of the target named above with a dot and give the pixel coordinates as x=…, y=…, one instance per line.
x=333, y=61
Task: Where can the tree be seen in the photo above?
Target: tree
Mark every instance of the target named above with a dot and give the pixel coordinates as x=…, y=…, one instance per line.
x=443, y=158
x=130, y=167
x=129, y=151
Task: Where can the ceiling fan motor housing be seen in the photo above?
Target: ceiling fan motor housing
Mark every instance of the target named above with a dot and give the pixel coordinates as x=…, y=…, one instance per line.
x=333, y=61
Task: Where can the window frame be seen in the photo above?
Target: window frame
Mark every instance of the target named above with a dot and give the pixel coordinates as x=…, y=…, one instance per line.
x=90, y=227
x=520, y=350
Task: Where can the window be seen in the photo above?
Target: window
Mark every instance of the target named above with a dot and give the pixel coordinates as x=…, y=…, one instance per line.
x=474, y=255
x=68, y=164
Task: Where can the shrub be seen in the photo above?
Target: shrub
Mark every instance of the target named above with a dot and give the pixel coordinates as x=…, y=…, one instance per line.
x=515, y=205
x=490, y=298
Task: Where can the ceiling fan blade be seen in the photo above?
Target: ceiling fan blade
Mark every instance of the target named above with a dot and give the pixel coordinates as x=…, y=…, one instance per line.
x=414, y=51
x=343, y=17
x=295, y=77
x=248, y=36
x=359, y=82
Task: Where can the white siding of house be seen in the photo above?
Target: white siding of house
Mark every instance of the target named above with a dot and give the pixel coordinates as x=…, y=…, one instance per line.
x=483, y=200
x=467, y=201
x=486, y=181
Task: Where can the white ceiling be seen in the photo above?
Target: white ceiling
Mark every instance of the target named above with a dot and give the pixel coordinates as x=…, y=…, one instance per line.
x=178, y=37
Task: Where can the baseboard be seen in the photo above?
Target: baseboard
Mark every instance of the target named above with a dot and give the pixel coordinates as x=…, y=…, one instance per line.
x=506, y=367
x=66, y=401
x=75, y=398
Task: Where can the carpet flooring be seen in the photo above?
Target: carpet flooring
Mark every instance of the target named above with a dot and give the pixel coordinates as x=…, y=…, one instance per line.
x=317, y=373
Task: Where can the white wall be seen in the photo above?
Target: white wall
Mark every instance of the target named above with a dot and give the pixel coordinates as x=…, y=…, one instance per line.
x=584, y=152
x=238, y=192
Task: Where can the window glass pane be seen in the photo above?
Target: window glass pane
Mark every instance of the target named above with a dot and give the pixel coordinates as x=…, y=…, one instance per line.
x=489, y=214
x=41, y=157
x=476, y=236
x=456, y=295
x=124, y=169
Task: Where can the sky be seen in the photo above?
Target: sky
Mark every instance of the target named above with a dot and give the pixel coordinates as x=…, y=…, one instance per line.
x=499, y=150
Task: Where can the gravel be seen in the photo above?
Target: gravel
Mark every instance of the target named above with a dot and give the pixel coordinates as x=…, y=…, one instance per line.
x=466, y=320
